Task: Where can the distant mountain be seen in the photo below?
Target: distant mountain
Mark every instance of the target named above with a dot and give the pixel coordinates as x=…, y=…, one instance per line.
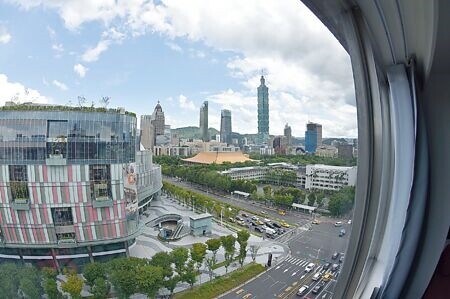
x=193, y=132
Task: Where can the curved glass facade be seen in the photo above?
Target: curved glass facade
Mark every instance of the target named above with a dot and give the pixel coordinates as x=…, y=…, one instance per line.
x=30, y=137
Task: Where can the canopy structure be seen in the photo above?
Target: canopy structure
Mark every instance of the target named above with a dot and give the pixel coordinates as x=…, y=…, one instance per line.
x=218, y=158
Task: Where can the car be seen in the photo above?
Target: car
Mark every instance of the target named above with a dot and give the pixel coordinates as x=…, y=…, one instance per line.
x=326, y=266
x=281, y=231
x=281, y=212
x=316, y=276
x=342, y=233
x=259, y=229
x=264, y=212
x=315, y=221
x=268, y=224
x=327, y=276
x=276, y=225
x=350, y=221
x=256, y=218
x=232, y=220
x=259, y=222
x=317, y=288
x=285, y=224
x=338, y=223
x=309, y=267
x=335, y=267
x=335, y=255
x=341, y=259
x=244, y=215
x=302, y=291
x=266, y=220
x=253, y=223
x=239, y=218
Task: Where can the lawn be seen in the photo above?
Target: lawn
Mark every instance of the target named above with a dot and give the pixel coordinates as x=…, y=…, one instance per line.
x=222, y=284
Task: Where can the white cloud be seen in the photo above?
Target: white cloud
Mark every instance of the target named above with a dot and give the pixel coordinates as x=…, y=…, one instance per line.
x=174, y=47
x=18, y=92
x=58, y=48
x=92, y=54
x=308, y=72
x=185, y=103
x=5, y=37
x=80, y=70
x=60, y=85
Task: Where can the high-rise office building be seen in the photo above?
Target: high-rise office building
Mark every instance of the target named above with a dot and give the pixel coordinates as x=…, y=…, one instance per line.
x=204, y=121
x=158, y=120
x=263, y=112
x=225, y=126
x=345, y=151
x=288, y=134
x=147, y=132
x=313, y=137
x=73, y=184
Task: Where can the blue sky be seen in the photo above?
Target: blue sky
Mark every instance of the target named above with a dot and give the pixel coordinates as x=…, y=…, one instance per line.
x=138, y=52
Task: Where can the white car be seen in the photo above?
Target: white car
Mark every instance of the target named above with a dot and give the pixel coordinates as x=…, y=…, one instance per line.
x=309, y=267
x=302, y=290
x=350, y=221
x=338, y=223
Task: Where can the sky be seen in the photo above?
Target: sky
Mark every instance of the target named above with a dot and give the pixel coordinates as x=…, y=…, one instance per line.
x=180, y=53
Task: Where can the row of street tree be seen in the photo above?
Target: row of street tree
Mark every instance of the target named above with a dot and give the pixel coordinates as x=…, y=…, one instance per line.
x=127, y=276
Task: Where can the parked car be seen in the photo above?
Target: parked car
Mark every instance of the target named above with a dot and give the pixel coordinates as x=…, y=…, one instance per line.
x=315, y=221
x=244, y=215
x=231, y=219
x=276, y=225
x=302, y=291
x=256, y=218
x=338, y=223
x=281, y=212
x=285, y=224
x=238, y=218
x=317, y=288
x=316, y=276
x=341, y=259
x=342, y=233
x=253, y=223
x=268, y=224
x=335, y=267
x=263, y=212
x=259, y=229
x=335, y=255
x=259, y=222
x=326, y=266
x=309, y=267
x=350, y=221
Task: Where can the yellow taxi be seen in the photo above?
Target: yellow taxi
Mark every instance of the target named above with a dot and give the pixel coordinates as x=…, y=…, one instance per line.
x=327, y=276
x=285, y=224
x=315, y=221
x=281, y=212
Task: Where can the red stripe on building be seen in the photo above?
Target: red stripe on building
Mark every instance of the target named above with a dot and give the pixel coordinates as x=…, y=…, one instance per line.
x=116, y=210
x=13, y=215
x=35, y=235
x=34, y=212
x=14, y=235
x=114, y=232
x=122, y=228
x=22, y=217
x=89, y=231
x=44, y=173
x=24, y=234
x=42, y=234
x=78, y=213
x=105, y=231
x=35, y=195
x=80, y=193
x=45, y=213
x=69, y=173
x=54, y=194
x=66, y=190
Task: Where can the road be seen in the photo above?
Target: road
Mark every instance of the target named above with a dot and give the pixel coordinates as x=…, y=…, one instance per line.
x=284, y=279
x=293, y=217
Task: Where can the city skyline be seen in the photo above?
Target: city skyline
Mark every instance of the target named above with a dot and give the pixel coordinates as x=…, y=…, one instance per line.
x=100, y=52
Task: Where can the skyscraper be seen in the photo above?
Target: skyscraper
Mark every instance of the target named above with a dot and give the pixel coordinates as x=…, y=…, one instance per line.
x=204, y=121
x=158, y=120
x=288, y=134
x=263, y=112
x=147, y=132
x=313, y=137
x=225, y=126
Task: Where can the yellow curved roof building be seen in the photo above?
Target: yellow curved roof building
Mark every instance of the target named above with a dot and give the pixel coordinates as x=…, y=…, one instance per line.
x=218, y=158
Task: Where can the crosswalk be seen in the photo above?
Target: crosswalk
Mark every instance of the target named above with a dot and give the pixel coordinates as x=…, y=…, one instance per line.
x=297, y=261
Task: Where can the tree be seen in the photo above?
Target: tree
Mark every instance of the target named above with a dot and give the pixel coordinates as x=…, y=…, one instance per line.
x=163, y=260
x=198, y=253
x=190, y=275
x=122, y=276
x=228, y=243
x=180, y=256
x=213, y=246
x=30, y=282
x=100, y=288
x=149, y=279
x=242, y=239
x=311, y=199
x=254, y=251
x=9, y=284
x=210, y=262
x=171, y=283
x=92, y=271
x=73, y=285
x=104, y=101
x=49, y=284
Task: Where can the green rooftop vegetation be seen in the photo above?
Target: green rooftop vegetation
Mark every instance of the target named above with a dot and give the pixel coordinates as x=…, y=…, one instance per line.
x=28, y=107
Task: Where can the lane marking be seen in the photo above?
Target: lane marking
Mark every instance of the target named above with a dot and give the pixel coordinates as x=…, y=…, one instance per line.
x=294, y=273
x=288, y=289
x=247, y=296
x=286, y=270
x=240, y=291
